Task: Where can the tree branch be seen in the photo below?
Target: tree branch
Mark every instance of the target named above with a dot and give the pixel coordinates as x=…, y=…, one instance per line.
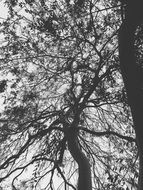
x=99, y=134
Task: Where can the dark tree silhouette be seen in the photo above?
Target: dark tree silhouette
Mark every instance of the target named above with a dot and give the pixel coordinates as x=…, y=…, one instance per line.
x=132, y=72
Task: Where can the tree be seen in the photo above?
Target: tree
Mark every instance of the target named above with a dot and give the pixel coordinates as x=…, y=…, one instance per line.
x=132, y=72
x=64, y=91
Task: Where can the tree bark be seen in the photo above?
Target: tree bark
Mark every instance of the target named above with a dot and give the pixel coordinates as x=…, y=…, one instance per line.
x=132, y=79
x=84, y=170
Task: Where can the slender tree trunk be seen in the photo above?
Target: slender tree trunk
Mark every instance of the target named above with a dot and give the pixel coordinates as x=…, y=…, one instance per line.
x=84, y=180
x=132, y=80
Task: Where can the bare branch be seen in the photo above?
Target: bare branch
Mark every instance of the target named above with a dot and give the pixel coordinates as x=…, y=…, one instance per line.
x=99, y=134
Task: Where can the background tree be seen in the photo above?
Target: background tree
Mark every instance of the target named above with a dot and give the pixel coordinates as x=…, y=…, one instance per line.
x=60, y=76
x=131, y=67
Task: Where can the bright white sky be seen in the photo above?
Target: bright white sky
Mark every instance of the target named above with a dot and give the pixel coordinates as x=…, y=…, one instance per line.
x=3, y=10
x=3, y=15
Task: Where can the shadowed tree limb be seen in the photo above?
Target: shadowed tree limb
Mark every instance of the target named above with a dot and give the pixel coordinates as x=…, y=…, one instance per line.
x=99, y=134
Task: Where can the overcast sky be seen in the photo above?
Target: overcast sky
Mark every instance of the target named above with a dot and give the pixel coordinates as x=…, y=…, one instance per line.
x=3, y=10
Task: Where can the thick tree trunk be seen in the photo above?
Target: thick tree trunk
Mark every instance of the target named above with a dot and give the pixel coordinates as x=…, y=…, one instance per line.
x=84, y=180
x=132, y=80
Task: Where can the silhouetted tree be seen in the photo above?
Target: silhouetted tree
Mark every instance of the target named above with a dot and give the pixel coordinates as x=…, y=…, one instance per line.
x=131, y=68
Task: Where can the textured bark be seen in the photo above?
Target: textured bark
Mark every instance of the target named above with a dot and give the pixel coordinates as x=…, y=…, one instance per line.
x=132, y=80
x=84, y=180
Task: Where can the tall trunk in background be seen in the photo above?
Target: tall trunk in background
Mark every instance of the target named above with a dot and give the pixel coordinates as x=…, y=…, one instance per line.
x=132, y=79
x=84, y=171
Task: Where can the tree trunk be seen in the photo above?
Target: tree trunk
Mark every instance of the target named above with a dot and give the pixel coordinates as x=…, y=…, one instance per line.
x=84, y=180
x=132, y=79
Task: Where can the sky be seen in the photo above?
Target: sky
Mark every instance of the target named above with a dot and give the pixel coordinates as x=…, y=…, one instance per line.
x=3, y=15
x=3, y=10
